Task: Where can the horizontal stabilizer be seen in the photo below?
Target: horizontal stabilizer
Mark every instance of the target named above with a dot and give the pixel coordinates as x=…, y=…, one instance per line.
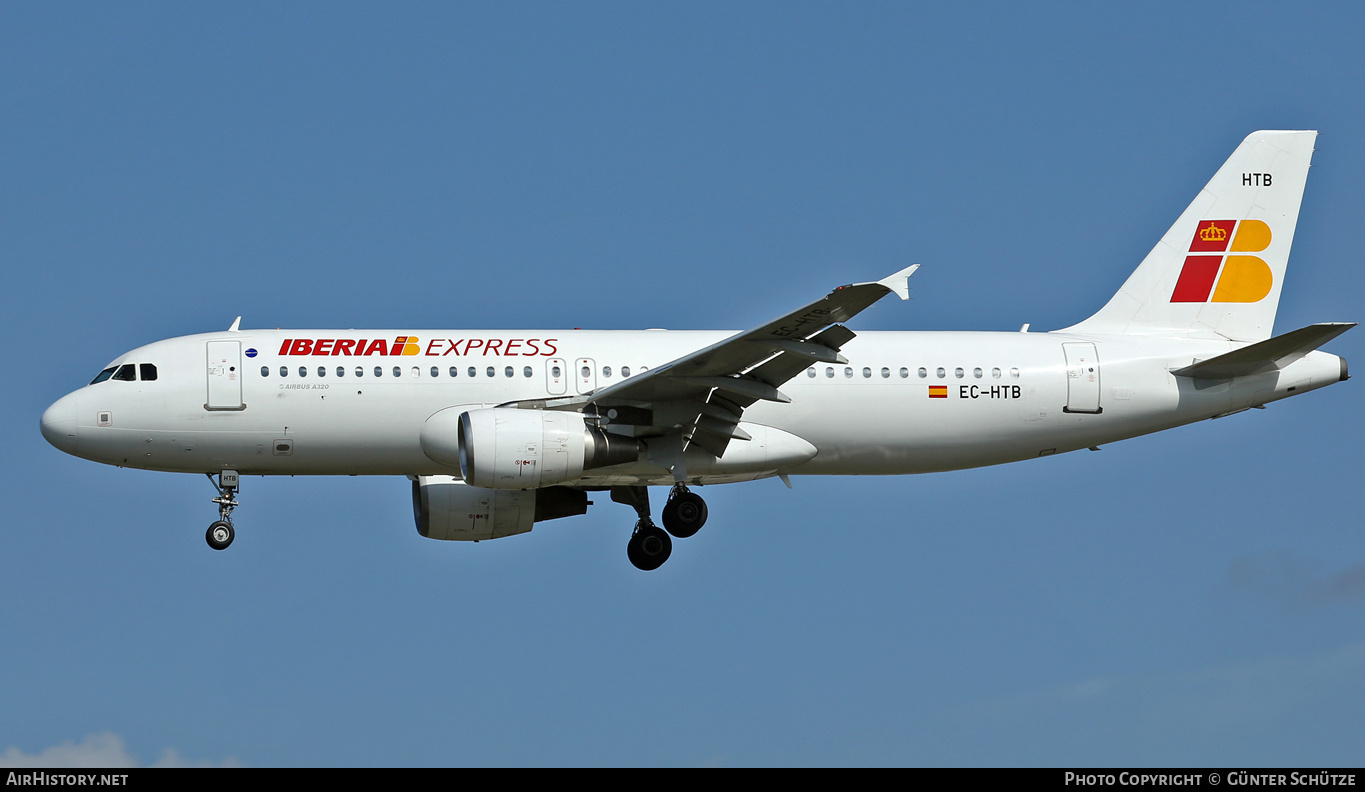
x=1269, y=355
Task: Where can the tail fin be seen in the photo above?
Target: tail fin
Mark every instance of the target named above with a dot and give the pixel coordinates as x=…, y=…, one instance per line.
x=1217, y=273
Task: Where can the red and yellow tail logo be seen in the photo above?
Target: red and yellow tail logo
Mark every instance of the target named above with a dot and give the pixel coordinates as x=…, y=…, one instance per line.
x=1239, y=279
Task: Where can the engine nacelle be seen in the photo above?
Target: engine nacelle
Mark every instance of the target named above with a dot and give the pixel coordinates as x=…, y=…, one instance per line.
x=506, y=448
x=447, y=508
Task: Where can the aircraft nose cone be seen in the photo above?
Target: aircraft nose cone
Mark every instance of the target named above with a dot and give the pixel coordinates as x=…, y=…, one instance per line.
x=59, y=424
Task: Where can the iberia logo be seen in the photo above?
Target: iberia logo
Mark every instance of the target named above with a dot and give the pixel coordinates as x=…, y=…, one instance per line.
x=402, y=345
x=1239, y=279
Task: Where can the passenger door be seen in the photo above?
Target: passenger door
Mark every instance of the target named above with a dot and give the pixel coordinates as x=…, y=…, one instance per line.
x=224, y=376
x=1082, y=378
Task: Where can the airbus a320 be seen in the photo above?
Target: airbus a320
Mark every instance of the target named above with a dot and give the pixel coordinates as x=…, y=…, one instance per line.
x=501, y=429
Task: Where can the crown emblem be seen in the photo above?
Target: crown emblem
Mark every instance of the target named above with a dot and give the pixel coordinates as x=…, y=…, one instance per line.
x=1212, y=233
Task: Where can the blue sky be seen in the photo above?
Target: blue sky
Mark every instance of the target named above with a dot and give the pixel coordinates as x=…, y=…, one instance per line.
x=1191, y=598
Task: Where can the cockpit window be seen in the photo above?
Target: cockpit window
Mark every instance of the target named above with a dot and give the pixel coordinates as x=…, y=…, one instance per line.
x=103, y=375
x=126, y=373
x=147, y=371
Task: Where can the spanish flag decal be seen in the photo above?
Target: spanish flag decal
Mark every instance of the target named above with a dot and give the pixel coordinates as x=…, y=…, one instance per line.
x=938, y=391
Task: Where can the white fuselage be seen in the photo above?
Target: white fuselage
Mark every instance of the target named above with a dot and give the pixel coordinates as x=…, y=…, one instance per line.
x=499, y=430
x=262, y=403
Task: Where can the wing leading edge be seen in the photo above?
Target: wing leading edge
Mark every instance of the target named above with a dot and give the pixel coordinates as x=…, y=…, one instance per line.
x=702, y=395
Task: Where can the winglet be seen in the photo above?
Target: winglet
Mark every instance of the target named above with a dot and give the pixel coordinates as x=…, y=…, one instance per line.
x=236, y=325
x=899, y=283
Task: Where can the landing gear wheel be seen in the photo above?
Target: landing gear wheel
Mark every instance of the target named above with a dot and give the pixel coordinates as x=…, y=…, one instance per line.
x=220, y=535
x=649, y=547
x=684, y=514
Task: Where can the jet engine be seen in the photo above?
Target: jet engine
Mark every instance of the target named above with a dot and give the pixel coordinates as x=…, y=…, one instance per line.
x=447, y=508
x=506, y=448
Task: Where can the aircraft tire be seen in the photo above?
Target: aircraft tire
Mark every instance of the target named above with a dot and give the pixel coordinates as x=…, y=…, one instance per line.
x=649, y=547
x=684, y=514
x=220, y=535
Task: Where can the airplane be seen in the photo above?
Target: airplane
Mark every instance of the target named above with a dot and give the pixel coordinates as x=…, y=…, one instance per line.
x=500, y=429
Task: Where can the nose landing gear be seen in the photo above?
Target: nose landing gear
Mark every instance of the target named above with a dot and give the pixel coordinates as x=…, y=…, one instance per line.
x=220, y=534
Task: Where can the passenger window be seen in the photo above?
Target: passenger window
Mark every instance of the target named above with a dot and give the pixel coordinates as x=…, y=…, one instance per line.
x=976, y=372
x=303, y=371
x=341, y=371
x=923, y=372
x=867, y=372
x=454, y=372
x=284, y=371
x=526, y=372
x=360, y=371
x=435, y=372
x=103, y=375
x=147, y=372
x=492, y=372
x=905, y=372
x=941, y=372
x=1014, y=373
x=507, y=372
x=554, y=371
x=958, y=372
x=322, y=371
x=810, y=372
x=587, y=372
x=886, y=372
x=995, y=373
x=473, y=372
x=126, y=373
x=848, y=372
x=416, y=372
x=398, y=372
x=606, y=371
x=829, y=372
x=379, y=371
x=625, y=371
x=265, y=371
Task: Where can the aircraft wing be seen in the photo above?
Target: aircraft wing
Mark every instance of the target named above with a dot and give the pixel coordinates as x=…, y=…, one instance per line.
x=703, y=394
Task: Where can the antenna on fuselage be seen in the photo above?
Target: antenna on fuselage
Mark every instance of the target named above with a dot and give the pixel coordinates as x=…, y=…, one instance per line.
x=236, y=325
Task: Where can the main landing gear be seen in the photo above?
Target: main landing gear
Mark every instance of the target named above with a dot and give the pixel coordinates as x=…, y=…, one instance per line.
x=685, y=512
x=683, y=515
x=221, y=534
